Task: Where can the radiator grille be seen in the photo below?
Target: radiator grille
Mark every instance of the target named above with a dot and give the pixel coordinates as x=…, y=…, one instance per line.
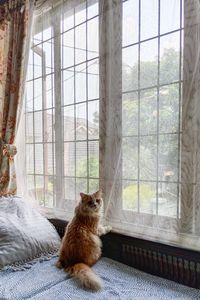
x=172, y=267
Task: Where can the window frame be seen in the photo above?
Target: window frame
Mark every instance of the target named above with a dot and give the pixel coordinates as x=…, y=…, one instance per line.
x=54, y=16
x=190, y=187
x=110, y=107
x=111, y=131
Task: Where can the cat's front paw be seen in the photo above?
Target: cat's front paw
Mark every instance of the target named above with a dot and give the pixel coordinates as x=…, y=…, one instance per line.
x=108, y=228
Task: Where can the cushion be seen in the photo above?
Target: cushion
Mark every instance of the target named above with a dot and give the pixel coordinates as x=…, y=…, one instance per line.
x=25, y=235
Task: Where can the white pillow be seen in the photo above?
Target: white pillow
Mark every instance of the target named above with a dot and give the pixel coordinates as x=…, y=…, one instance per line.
x=25, y=235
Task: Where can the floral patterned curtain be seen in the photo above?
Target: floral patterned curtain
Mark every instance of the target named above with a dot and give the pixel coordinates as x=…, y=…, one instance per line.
x=15, y=23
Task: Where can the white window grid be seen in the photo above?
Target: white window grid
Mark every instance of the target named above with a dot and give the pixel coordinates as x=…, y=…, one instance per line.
x=58, y=137
x=137, y=91
x=58, y=110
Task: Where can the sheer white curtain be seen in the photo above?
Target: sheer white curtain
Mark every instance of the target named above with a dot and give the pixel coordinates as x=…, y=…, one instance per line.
x=145, y=154
x=150, y=137
x=20, y=121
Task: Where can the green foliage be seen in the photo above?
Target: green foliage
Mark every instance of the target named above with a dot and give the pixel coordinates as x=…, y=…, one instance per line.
x=93, y=164
x=169, y=71
x=130, y=196
x=93, y=167
x=152, y=108
x=169, y=67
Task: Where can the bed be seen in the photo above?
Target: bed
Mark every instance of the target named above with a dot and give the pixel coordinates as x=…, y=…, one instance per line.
x=29, y=244
x=45, y=281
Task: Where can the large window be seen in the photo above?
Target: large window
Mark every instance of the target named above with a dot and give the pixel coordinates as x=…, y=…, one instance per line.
x=104, y=107
x=62, y=106
x=151, y=104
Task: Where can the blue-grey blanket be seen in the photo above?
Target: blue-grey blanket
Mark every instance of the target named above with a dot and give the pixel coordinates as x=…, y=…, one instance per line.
x=45, y=282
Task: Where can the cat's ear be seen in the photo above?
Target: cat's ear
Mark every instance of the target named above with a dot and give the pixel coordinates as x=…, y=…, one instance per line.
x=98, y=194
x=82, y=195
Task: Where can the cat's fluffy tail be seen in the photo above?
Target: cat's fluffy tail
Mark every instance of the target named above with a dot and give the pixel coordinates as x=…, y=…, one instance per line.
x=86, y=276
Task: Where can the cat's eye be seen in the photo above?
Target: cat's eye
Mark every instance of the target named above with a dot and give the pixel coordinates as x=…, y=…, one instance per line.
x=90, y=202
x=98, y=201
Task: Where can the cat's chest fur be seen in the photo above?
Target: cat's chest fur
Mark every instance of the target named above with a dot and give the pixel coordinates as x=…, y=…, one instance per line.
x=83, y=233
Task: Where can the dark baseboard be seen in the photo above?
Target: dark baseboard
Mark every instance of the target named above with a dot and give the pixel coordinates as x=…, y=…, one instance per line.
x=173, y=263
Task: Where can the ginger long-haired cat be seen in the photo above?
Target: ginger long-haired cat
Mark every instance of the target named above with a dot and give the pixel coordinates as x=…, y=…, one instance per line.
x=81, y=245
